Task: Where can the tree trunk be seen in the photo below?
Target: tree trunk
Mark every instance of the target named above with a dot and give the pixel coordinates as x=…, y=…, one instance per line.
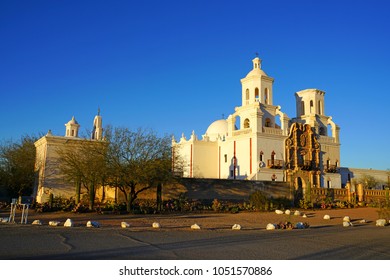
x=78, y=191
x=91, y=196
x=159, y=197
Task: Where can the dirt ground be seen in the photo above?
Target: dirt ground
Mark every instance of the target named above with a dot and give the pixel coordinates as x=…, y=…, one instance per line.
x=206, y=220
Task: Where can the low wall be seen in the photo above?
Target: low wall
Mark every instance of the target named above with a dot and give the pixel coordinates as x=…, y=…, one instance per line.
x=224, y=189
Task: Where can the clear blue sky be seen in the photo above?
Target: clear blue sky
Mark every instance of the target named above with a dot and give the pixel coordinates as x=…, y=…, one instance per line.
x=175, y=66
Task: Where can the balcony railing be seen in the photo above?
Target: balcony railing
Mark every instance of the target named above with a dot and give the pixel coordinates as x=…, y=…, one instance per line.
x=275, y=163
x=331, y=169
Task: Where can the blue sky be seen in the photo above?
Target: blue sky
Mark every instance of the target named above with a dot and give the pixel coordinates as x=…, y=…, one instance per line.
x=175, y=66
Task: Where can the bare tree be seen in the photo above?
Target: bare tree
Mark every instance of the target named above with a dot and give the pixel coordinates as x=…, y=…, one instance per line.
x=83, y=163
x=138, y=160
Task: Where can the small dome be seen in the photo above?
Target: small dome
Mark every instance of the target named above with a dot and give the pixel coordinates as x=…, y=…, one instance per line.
x=217, y=128
x=73, y=121
x=256, y=72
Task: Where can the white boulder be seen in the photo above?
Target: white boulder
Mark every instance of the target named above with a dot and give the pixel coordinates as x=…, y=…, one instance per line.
x=68, y=223
x=236, y=227
x=125, y=225
x=381, y=223
x=287, y=212
x=304, y=216
x=362, y=221
x=195, y=227
x=37, y=222
x=346, y=219
x=326, y=217
x=297, y=213
x=93, y=224
x=156, y=225
x=54, y=223
x=279, y=212
x=347, y=224
x=270, y=227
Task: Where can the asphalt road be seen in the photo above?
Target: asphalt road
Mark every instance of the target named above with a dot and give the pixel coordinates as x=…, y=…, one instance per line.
x=365, y=242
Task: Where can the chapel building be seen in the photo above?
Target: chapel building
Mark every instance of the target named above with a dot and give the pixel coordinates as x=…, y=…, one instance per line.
x=49, y=179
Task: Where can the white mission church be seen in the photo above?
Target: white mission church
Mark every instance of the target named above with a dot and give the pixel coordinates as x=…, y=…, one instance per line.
x=260, y=142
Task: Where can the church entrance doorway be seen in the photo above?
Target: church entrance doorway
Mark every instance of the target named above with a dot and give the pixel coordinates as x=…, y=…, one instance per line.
x=299, y=191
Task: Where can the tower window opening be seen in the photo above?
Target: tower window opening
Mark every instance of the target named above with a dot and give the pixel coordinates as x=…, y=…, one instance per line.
x=261, y=156
x=268, y=122
x=247, y=96
x=302, y=108
x=246, y=123
x=266, y=96
x=225, y=157
x=311, y=106
x=256, y=94
x=319, y=108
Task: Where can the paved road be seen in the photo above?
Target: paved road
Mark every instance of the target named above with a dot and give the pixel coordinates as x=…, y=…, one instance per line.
x=321, y=243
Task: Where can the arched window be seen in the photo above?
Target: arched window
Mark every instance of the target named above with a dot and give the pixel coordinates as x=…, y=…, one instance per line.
x=256, y=94
x=319, y=108
x=247, y=95
x=311, y=106
x=266, y=96
x=246, y=123
x=268, y=122
x=273, y=157
x=261, y=156
x=302, y=108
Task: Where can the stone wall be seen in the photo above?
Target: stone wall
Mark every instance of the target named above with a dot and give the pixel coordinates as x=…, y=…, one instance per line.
x=224, y=189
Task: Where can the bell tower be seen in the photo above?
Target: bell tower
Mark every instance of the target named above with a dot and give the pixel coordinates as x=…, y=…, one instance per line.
x=257, y=86
x=72, y=128
x=97, y=131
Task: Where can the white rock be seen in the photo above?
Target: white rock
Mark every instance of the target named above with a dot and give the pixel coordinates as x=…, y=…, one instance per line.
x=362, y=221
x=54, y=223
x=279, y=212
x=304, y=216
x=68, y=223
x=125, y=225
x=297, y=213
x=37, y=222
x=4, y=220
x=347, y=224
x=93, y=224
x=346, y=219
x=287, y=212
x=270, y=227
x=381, y=222
x=156, y=225
x=195, y=226
x=326, y=217
x=236, y=227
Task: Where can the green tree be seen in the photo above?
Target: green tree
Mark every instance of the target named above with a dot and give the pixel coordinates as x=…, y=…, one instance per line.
x=17, y=160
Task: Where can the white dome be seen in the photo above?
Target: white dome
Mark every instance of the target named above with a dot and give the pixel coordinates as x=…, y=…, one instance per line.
x=217, y=128
x=256, y=72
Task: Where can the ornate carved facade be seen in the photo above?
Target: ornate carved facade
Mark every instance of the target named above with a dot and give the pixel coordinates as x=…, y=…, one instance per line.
x=303, y=157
